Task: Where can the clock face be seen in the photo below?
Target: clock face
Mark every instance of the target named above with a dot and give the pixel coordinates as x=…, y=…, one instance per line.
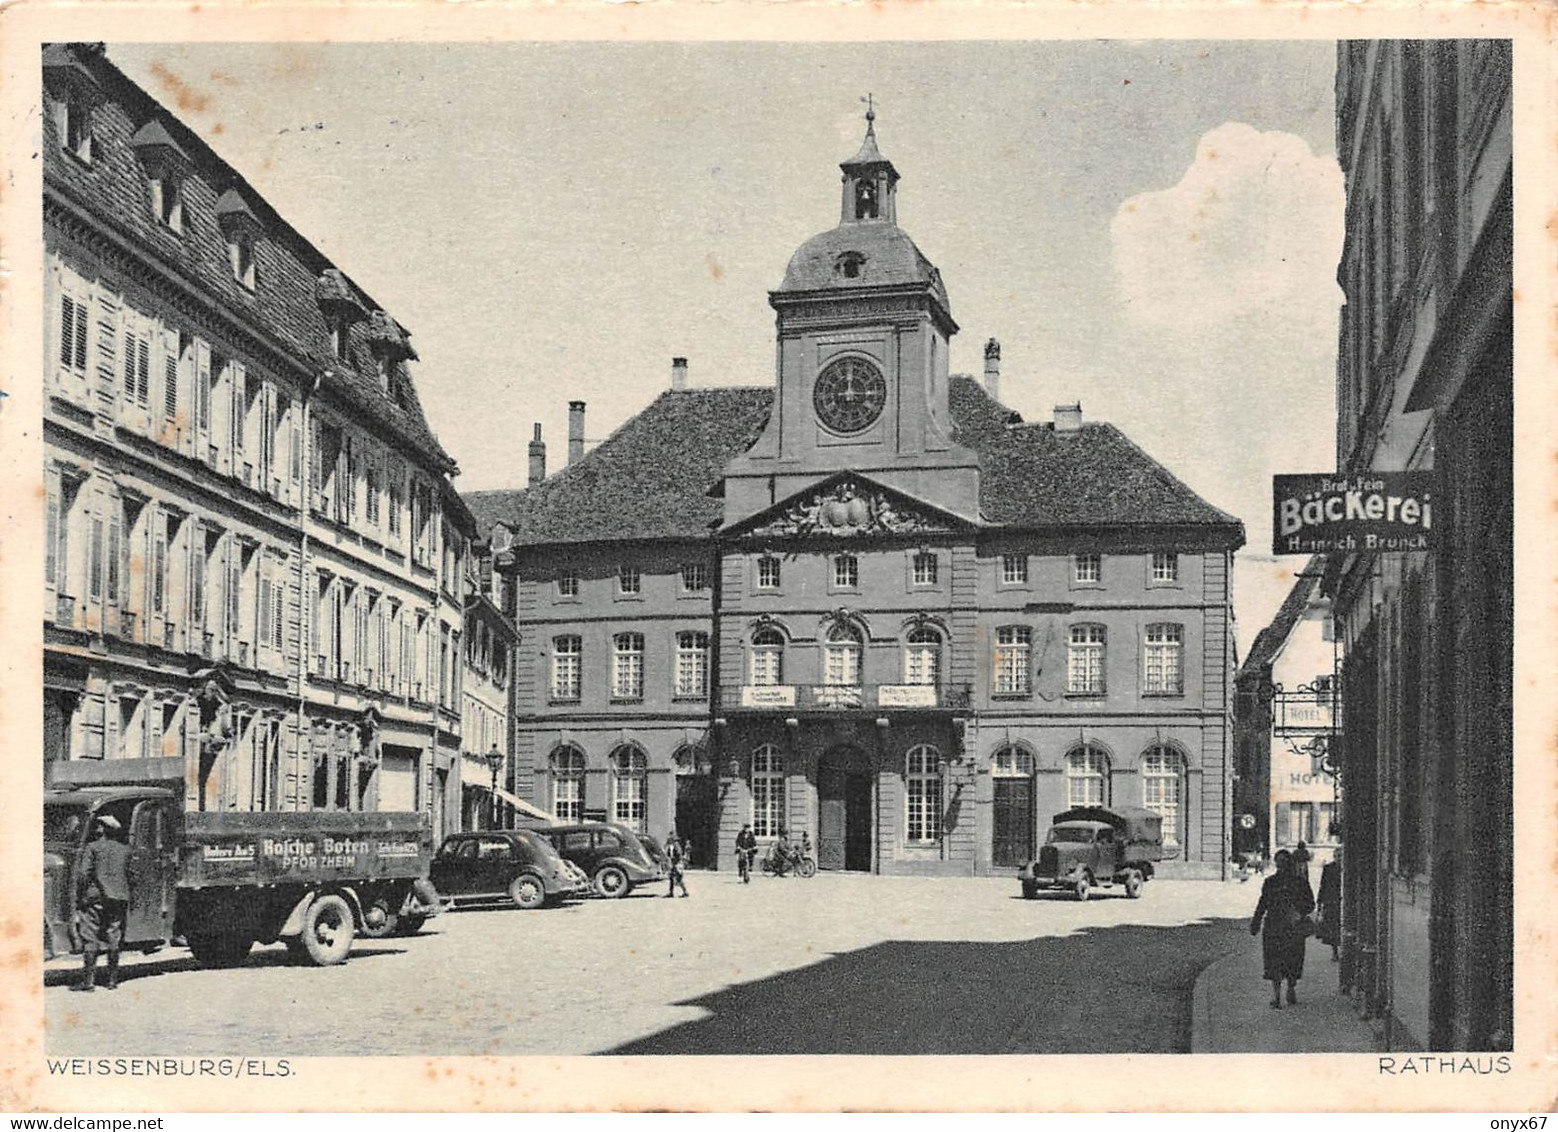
x=850, y=394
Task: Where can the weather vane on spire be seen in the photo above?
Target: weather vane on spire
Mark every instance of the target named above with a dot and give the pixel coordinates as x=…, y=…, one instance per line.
x=870, y=102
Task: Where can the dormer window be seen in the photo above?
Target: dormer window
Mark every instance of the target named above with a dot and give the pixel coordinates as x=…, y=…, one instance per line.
x=73, y=121
x=242, y=228
x=340, y=338
x=850, y=264
x=341, y=306
x=866, y=203
x=73, y=91
x=390, y=345
x=166, y=166
x=240, y=251
x=167, y=204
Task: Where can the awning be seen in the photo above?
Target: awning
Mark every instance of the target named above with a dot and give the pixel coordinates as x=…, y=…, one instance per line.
x=525, y=807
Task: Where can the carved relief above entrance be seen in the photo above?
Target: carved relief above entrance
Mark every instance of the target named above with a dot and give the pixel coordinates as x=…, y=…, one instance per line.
x=848, y=506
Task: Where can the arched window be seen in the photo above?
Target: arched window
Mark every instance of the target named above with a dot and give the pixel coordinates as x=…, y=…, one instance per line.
x=922, y=793
x=1087, y=777
x=922, y=657
x=841, y=657
x=767, y=661
x=1012, y=762
x=767, y=791
x=1162, y=777
x=865, y=200
x=568, y=784
x=629, y=770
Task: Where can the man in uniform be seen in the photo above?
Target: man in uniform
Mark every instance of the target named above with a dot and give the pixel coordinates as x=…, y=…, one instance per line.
x=102, y=896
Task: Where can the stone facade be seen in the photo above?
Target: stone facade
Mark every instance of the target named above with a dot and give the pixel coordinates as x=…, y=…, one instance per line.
x=870, y=605
x=1425, y=381
x=252, y=587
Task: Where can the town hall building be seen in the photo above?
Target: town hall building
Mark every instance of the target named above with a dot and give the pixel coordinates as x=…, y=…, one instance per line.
x=869, y=604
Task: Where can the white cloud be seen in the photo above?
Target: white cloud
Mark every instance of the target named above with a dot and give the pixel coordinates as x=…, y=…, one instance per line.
x=1227, y=331
x=1253, y=229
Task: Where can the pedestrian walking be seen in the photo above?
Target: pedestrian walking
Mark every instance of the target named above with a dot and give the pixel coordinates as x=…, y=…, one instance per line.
x=676, y=858
x=1284, y=908
x=1301, y=859
x=102, y=897
x=746, y=852
x=1329, y=904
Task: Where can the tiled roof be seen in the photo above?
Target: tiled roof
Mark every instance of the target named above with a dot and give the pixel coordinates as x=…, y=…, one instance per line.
x=1270, y=641
x=1032, y=476
x=657, y=476
x=113, y=189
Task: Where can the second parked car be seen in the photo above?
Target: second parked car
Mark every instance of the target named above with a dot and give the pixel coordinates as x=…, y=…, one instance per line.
x=612, y=855
x=498, y=864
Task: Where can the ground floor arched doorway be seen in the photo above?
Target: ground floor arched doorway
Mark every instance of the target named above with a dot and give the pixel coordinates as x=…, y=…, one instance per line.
x=845, y=825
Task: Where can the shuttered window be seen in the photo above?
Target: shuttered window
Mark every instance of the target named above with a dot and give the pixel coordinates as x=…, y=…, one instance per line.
x=73, y=334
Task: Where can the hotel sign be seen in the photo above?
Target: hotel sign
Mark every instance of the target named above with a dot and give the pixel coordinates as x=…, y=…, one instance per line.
x=1367, y=512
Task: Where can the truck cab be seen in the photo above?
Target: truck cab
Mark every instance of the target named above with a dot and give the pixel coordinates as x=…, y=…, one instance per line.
x=150, y=817
x=1096, y=846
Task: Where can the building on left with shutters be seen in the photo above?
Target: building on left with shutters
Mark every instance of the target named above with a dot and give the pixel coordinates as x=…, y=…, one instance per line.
x=253, y=582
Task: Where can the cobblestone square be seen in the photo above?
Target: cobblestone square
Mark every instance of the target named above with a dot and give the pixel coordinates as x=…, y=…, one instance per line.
x=835, y=964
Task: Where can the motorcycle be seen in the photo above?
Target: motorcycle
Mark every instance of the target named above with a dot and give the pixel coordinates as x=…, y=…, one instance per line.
x=781, y=860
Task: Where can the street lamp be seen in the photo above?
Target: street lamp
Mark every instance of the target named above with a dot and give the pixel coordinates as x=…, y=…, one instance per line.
x=494, y=764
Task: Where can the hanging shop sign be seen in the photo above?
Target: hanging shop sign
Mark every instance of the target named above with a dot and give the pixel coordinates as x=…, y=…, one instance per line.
x=1368, y=512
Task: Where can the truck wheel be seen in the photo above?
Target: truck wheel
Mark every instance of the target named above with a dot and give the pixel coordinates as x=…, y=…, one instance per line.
x=411, y=924
x=219, y=950
x=328, y=931
x=388, y=921
x=527, y=891
x=1030, y=890
x=612, y=883
x=1133, y=884
x=1084, y=888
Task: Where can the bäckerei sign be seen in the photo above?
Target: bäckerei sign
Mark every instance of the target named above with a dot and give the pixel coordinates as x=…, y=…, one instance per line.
x=1370, y=511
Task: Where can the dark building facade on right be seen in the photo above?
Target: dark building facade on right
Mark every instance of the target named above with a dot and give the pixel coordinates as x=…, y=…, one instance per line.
x=1424, y=381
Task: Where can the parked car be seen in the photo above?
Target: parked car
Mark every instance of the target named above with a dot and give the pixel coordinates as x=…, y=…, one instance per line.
x=613, y=856
x=1097, y=845
x=497, y=864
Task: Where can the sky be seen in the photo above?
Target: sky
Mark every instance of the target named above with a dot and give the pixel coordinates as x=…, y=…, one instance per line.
x=1148, y=227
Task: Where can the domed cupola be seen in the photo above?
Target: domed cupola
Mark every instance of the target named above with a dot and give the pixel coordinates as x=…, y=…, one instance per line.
x=862, y=345
x=867, y=248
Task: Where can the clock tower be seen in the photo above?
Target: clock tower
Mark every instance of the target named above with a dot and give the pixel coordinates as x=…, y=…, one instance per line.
x=863, y=325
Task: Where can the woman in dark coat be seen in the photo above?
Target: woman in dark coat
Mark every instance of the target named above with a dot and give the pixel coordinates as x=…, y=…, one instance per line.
x=1329, y=899
x=1285, y=899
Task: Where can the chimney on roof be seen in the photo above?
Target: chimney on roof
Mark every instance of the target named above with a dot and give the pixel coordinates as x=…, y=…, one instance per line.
x=993, y=369
x=537, y=458
x=1068, y=418
x=678, y=374
x=575, y=431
